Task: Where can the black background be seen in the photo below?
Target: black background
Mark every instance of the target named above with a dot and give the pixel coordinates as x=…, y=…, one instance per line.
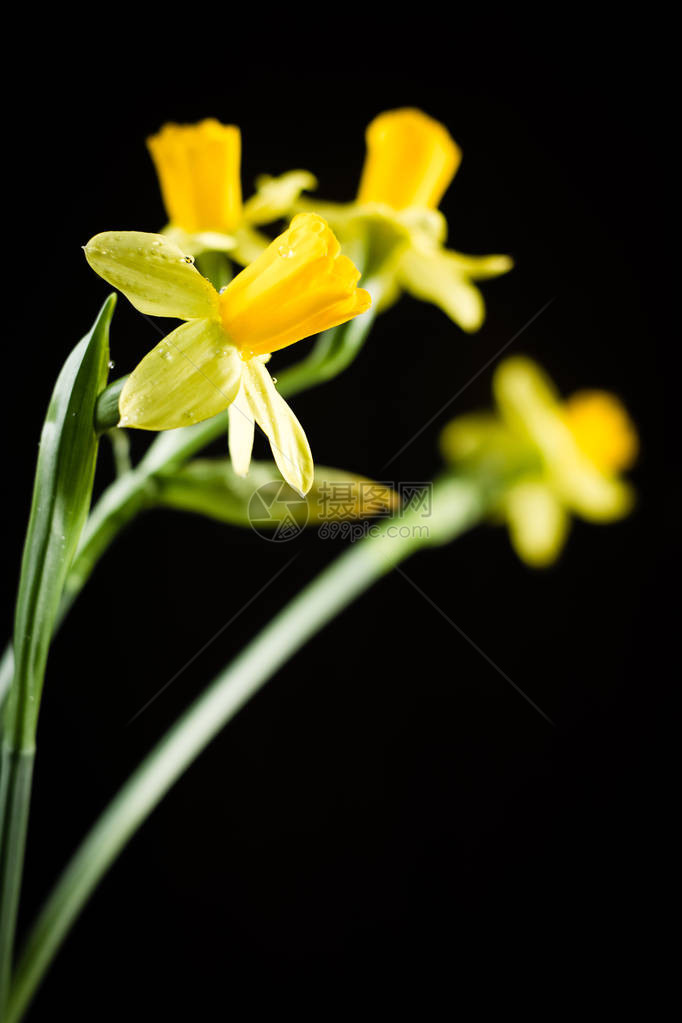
x=389, y=809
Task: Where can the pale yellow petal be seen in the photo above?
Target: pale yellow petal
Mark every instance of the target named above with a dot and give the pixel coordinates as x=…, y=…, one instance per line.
x=538, y=524
x=191, y=375
x=529, y=402
x=275, y=197
x=592, y=494
x=153, y=273
x=240, y=433
x=432, y=276
x=289, y=444
x=196, y=244
x=479, y=268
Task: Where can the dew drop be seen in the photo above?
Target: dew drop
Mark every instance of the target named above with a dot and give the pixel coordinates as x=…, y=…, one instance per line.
x=285, y=252
x=187, y=259
x=111, y=364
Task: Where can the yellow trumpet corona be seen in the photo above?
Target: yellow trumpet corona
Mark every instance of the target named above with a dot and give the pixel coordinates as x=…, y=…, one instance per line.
x=411, y=159
x=299, y=286
x=198, y=167
x=602, y=429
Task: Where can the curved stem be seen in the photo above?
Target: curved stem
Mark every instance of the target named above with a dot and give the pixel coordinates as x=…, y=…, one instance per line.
x=16, y=772
x=457, y=505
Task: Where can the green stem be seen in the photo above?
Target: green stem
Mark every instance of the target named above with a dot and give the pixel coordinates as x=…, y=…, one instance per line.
x=131, y=492
x=120, y=448
x=16, y=772
x=457, y=505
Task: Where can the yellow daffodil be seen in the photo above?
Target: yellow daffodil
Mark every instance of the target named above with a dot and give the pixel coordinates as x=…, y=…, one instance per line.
x=556, y=457
x=198, y=166
x=298, y=286
x=411, y=160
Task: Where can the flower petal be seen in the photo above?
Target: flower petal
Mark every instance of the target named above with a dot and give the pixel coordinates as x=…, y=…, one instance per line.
x=196, y=244
x=275, y=196
x=152, y=273
x=530, y=404
x=593, y=495
x=240, y=433
x=538, y=524
x=191, y=375
x=433, y=276
x=479, y=268
x=289, y=444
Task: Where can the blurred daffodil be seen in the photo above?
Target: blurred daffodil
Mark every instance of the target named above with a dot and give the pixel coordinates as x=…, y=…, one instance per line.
x=411, y=160
x=553, y=457
x=198, y=166
x=298, y=286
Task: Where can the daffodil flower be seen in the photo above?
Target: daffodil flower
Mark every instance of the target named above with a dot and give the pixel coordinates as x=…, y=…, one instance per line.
x=198, y=166
x=216, y=360
x=558, y=457
x=411, y=160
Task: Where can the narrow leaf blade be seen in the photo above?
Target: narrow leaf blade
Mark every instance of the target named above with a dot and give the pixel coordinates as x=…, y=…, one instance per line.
x=61, y=499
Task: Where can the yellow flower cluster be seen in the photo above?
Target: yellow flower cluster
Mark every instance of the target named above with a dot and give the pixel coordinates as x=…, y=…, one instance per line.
x=554, y=457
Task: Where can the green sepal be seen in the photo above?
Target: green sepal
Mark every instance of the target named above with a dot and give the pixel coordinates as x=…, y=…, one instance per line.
x=61, y=499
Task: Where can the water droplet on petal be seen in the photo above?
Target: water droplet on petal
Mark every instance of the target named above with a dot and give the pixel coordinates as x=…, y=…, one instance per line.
x=285, y=252
x=187, y=259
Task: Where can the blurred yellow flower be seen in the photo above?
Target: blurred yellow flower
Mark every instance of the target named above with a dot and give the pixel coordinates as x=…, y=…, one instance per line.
x=198, y=166
x=411, y=160
x=298, y=286
x=554, y=457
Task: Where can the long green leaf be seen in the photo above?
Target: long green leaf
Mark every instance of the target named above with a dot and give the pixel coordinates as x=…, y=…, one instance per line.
x=61, y=499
